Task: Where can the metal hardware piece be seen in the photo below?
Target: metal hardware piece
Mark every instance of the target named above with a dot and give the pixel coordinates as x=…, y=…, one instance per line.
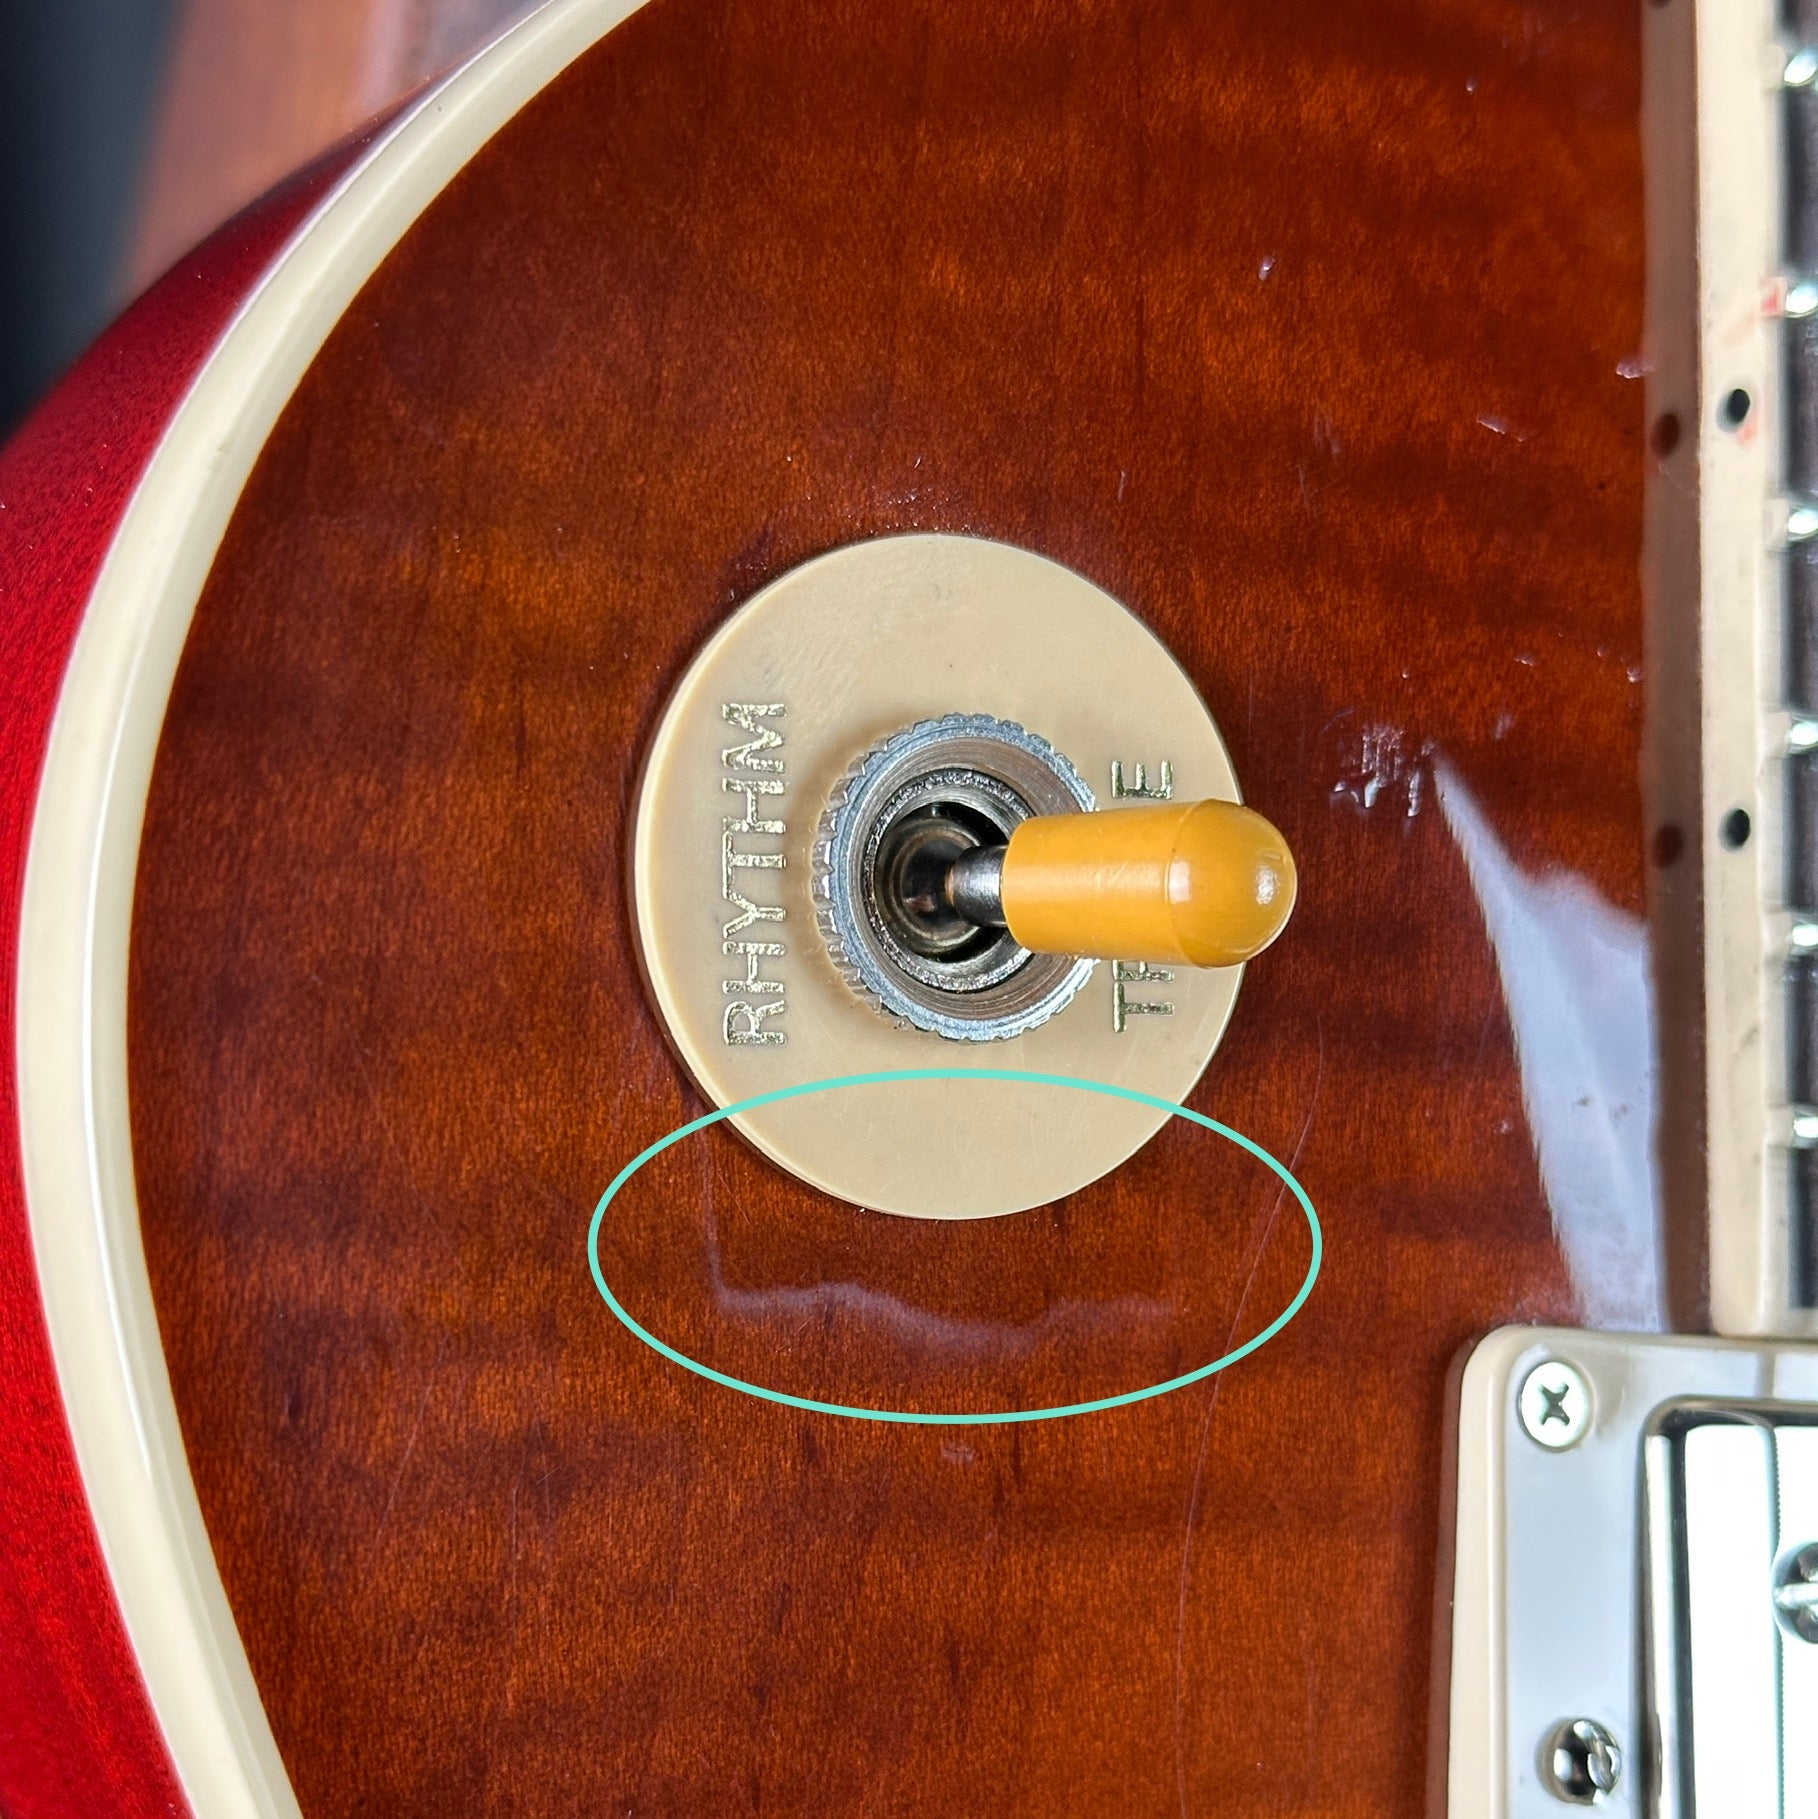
x=922, y=798
x=1579, y=1762
x=1801, y=735
x=1796, y=1592
x=1730, y=1679
x=975, y=886
x=1656, y=1581
x=1554, y=1404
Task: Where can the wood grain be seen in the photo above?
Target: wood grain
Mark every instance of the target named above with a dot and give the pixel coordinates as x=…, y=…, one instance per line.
x=258, y=88
x=1296, y=328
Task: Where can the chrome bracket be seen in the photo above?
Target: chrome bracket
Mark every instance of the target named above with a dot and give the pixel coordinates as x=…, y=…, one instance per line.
x=1638, y=1594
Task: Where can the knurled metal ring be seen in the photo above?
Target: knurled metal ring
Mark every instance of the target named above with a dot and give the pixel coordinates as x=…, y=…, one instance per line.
x=1000, y=774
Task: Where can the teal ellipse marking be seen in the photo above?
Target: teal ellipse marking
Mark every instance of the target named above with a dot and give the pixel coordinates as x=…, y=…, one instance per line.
x=993, y=1416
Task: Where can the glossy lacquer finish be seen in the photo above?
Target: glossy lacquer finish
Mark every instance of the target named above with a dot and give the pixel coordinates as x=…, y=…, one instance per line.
x=1299, y=329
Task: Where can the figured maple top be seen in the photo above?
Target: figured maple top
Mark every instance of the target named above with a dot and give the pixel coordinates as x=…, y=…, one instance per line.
x=1298, y=328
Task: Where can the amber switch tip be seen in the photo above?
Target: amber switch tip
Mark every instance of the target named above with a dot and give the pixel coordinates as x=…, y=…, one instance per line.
x=1174, y=883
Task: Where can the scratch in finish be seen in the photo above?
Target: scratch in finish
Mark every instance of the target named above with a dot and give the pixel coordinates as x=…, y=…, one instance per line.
x=1205, y=1437
x=410, y=1446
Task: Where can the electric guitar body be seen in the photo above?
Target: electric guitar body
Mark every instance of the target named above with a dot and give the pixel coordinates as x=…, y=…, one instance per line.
x=349, y=584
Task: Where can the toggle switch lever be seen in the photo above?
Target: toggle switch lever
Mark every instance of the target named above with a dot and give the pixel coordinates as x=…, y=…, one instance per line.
x=1182, y=883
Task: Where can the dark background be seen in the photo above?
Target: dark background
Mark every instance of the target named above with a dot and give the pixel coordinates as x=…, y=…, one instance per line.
x=78, y=85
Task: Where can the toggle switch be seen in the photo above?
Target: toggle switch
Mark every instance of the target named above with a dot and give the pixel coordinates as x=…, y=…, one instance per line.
x=968, y=882
x=1176, y=883
x=931, y=807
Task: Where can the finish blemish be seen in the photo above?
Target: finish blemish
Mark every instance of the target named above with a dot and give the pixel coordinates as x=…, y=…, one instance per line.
x=1385, y=767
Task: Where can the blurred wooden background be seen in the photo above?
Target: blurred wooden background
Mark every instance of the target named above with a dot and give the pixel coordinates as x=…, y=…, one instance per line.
x=258, y=87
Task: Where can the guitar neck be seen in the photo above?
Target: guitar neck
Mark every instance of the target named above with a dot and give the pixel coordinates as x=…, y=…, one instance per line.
x=1732, y=571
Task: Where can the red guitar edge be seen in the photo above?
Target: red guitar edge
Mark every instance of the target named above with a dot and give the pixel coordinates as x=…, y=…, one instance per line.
x=77, y=1732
